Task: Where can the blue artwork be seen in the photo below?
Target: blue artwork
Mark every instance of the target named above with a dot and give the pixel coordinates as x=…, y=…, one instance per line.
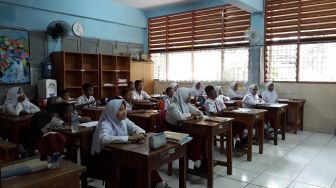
x=14, y=57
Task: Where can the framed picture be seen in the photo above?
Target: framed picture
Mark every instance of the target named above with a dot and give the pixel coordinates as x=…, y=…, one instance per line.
x=14, y=56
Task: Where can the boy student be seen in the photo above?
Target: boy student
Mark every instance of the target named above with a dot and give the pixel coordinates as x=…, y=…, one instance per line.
x=87, y=98
x=126, y=94
x=139, y=95
x=170, y=93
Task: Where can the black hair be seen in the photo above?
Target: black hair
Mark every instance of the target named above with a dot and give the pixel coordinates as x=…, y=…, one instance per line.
x=62, y=107
x=208, y=89
x=124, y=91
x=137, y=82
x=64, y=92
x=168, y=89
x=86, y=86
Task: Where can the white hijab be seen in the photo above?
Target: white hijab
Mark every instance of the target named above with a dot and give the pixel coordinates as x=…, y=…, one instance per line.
x=180, y=99
x=12, y=98
x=219, y=90
x=196, y=92
x=232, y=93
x=174, y=86
x=109, y=114
x=269, y=96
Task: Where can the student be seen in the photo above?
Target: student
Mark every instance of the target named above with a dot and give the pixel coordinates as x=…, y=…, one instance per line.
x=126, y=94
x=168, y=100
x=17, y=102
x=233, y=92
x=214, y=105
x=64, y=96
x=62, y=118
x=251, y=98
x=174, y=86
x=87, y=98
x=197, y=90
x=139, y=95
x=269, y=95
x=219, y=92
x=181, y=109
x=115, y=127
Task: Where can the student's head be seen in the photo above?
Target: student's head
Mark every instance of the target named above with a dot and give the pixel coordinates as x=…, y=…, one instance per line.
x=174, y=86
x=64, y=111
x=210, y=91
x=121, y=114
x=219, y=90
x=114, y=111
x=20, y=91
x=198, y=85
x=65, y=94
x=138, y=85
x=127, y=94
x=270, y=86
x=170, y=92
x=183, y=94
x=88, y=89
x=253, y=89
x=130, y=85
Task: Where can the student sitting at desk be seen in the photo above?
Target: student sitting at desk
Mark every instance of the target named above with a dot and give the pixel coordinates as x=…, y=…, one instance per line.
x=126, y=94
x=115, y=127
x=64, y=96
x=139, y=95
x=62, y=118
x=233, y=92
x=197, y=90
x=181, y=109
x=219, y=92
x=174, y=86
x=17, y=102
x=168, y=100
x=269, y=95
x=87, y=98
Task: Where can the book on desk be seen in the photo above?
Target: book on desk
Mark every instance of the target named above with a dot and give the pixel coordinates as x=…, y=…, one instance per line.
x=175, y=137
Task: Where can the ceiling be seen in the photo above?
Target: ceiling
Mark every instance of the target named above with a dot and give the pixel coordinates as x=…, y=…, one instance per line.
x=146, y=4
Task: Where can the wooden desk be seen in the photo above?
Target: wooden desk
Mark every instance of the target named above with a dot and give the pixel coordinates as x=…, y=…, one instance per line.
x=145, y=106
x=11, y=126
x=140, y=157
x=235, y=103
x=295, y=107
x=66, y=175
x=249, y=118
x=93, y=112
x=158, y=96
x=208, y=130
x=276, y=114
x=11, y=150
x=84, y=136
x=147, y=120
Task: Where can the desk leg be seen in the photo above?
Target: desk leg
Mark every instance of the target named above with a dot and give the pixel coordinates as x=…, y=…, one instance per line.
x=249, y=140
x=275, y=123
x=301, y=117
x=147, y=179
x=229, y=151
x=209, y=148
x=261, y=136
x=183, y=170
x=283, y=123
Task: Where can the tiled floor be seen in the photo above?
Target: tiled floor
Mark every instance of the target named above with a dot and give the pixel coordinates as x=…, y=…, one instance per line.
x=305, y=160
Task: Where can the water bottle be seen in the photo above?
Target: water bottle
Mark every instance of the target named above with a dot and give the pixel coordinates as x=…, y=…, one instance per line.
x=74, y=121
x=53, y=161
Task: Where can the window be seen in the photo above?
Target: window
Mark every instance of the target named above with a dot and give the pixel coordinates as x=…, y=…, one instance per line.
x=300, y=36
x=206, y=65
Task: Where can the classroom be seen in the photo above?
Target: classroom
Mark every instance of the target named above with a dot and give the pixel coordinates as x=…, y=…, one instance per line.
x=168, y=93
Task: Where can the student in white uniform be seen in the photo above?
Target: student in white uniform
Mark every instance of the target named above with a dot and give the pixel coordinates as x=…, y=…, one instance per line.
x=169, y=99
x=251, y=98
x=197, y=90
x=126, y=94
x=17, y=102
x=270, y=95
x=115, y=127
x=87, y=98
x=219, y=92
x=139, y=95
x=174, y=86
x=233, y=92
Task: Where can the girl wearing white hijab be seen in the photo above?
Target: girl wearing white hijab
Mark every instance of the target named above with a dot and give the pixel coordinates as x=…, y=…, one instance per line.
x=219, y=92
x=269, y=95
x=174, y=86
x=197, y=90
x=17, y=102
x=252, y=98
x=233, y=91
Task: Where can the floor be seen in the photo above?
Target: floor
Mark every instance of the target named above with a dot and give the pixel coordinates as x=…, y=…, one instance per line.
x=305, y=160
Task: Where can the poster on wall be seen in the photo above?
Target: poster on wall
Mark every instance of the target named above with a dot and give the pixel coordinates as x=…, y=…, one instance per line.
x=14, y=57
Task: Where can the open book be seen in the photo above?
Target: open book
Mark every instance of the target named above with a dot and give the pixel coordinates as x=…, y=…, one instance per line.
x=176, y=137
x=216, y=118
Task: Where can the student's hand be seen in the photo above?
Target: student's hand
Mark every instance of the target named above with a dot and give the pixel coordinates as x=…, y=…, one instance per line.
x=137, y=138
x=21, y=98
x=230, y=108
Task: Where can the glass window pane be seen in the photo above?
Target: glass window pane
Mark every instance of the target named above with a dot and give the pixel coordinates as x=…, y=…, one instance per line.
x=159, y=60
x=236, y=64
x=179, y=66
x=207, y=65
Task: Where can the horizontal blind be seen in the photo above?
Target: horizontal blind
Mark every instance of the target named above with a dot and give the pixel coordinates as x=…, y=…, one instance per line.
x=213, y=27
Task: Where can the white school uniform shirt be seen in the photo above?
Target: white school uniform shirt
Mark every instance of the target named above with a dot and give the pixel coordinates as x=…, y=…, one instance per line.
x=110, y=129
x=140, y=96
x=83, y=99
x=249, y=99
x=54, y=123
x=13, y=107
x=214, y=106
x=196, y=92
x=179, y=109
x=269, y=96
x=167, y=101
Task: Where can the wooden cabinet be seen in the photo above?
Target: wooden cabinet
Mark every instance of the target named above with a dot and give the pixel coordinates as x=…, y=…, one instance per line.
x=143, y=71
x=102, y=71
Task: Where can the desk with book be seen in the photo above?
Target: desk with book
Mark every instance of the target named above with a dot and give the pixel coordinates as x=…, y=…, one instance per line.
x=294, y=113
x=208, y=128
